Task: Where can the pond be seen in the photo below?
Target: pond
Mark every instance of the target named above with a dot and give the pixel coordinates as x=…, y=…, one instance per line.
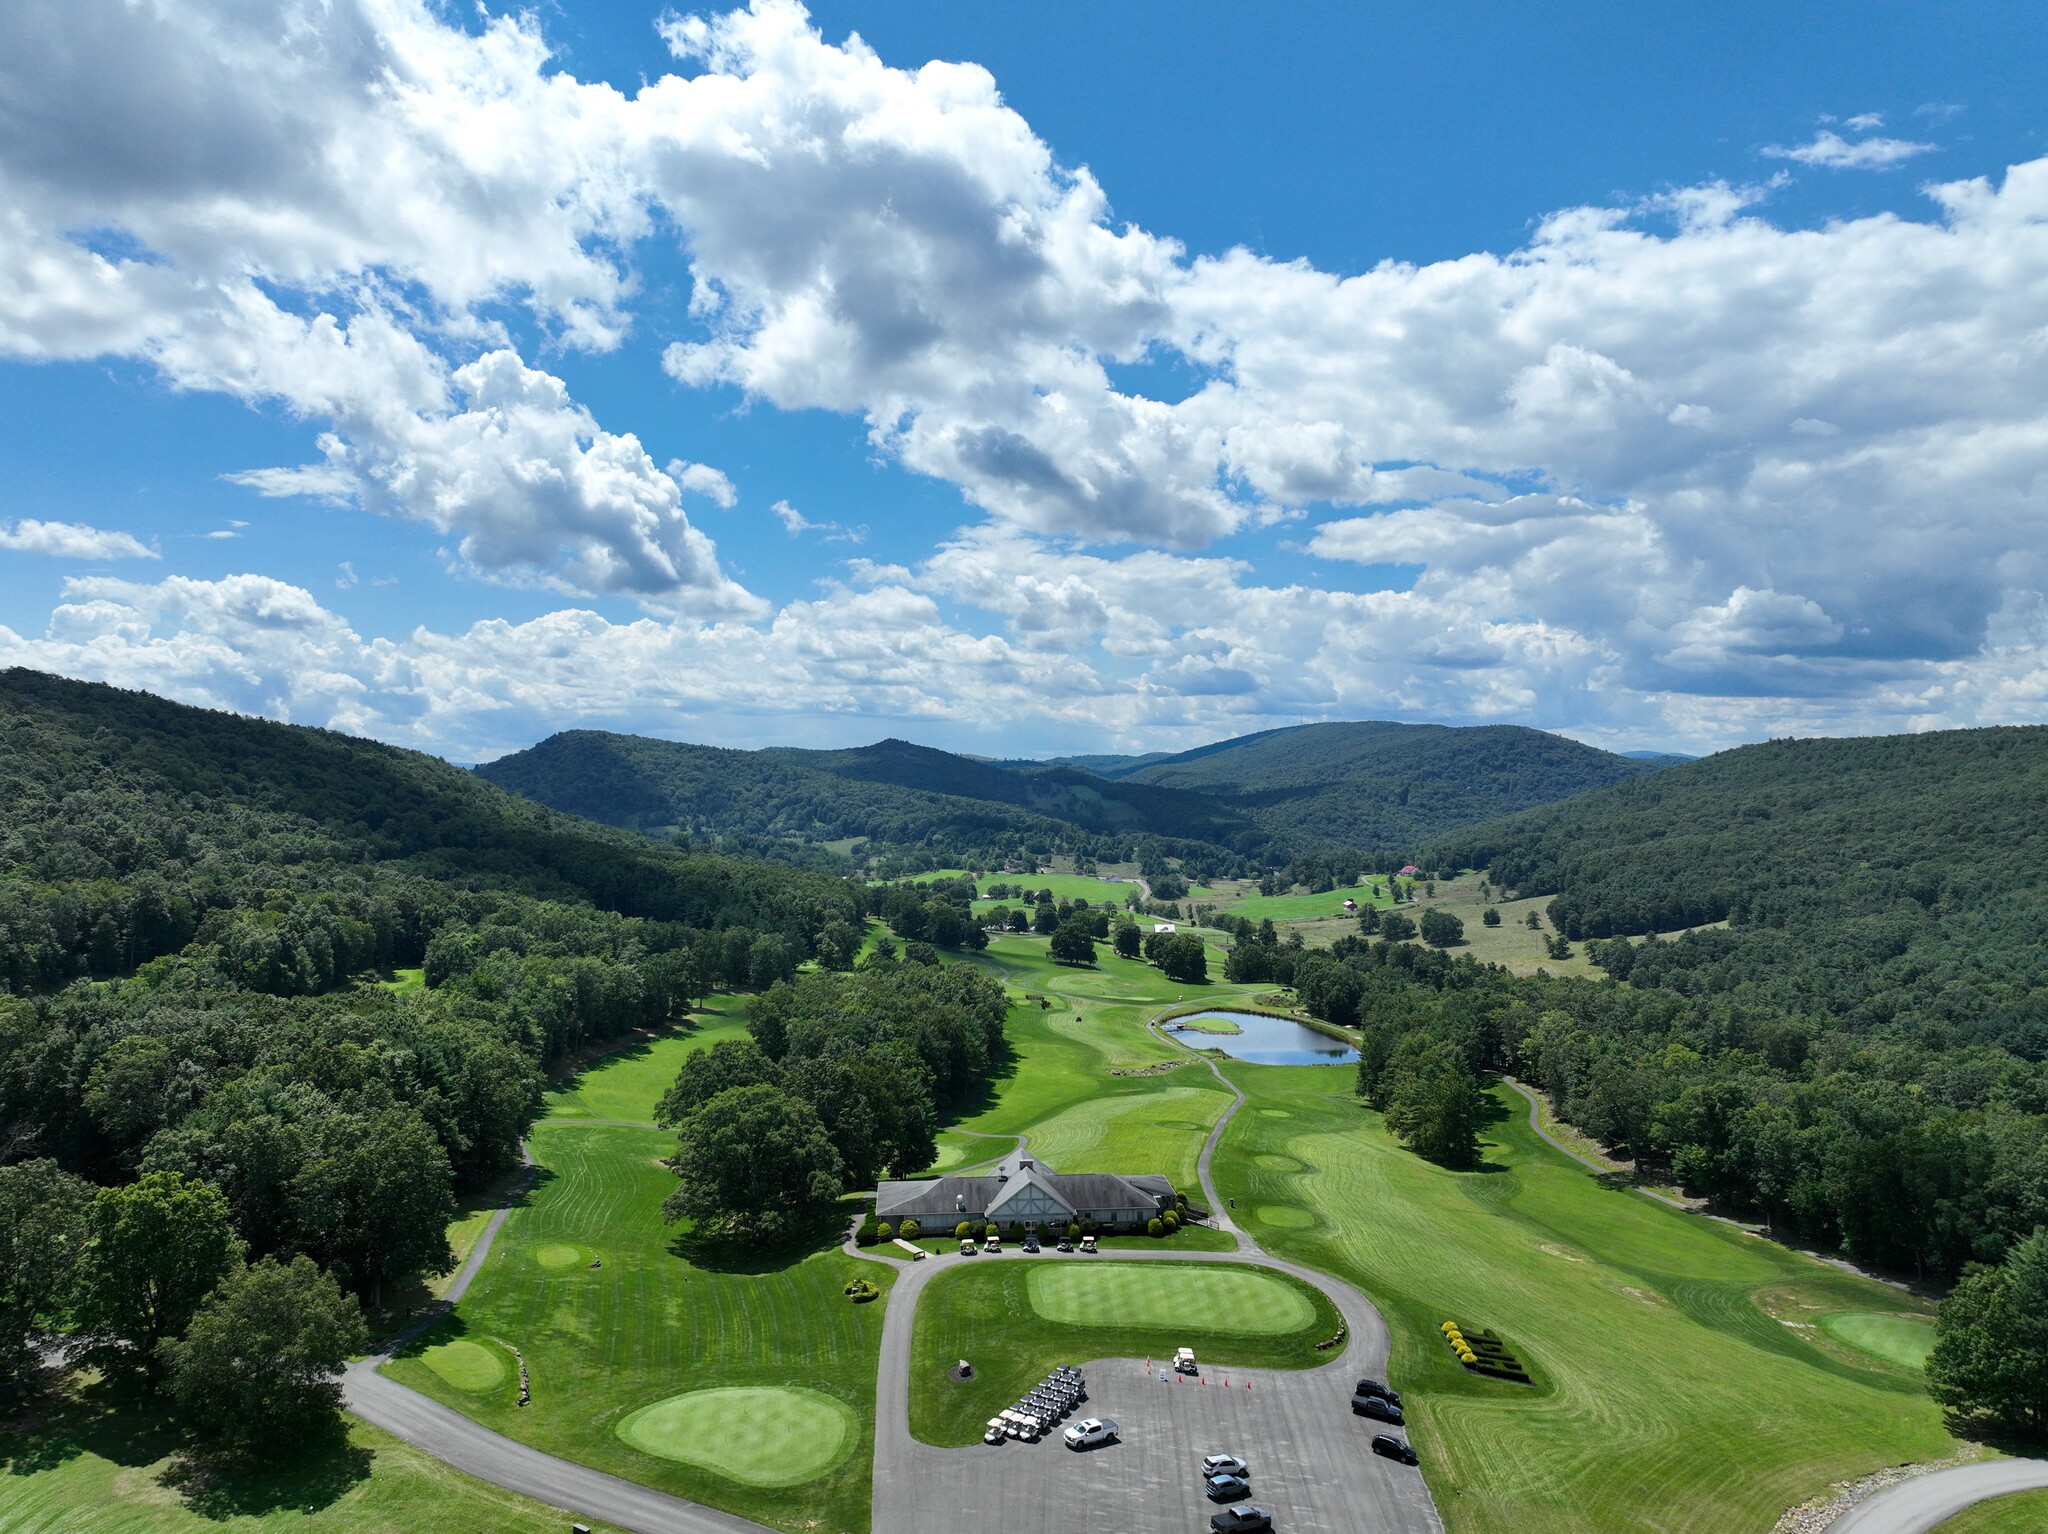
x=1267, y=1040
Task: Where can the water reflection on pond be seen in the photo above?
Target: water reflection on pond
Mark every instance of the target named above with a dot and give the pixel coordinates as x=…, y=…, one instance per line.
x=1266, y=1040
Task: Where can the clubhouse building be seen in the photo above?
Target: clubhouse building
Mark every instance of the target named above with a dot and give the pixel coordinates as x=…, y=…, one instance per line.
x=1027, y=1196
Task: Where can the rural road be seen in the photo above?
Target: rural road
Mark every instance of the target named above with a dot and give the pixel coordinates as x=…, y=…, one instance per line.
x=1925, y=1502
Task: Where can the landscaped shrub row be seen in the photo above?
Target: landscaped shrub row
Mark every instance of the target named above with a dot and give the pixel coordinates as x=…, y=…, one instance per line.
x=1483, y=1353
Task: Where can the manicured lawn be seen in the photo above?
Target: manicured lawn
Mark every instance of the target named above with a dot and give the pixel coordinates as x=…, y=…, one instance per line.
x=1903, y=1340
x=764, y=1435
x=1285, y=908
x=2024, y=1512
x=1159, y=1294
x=626, y=1085
x=1063, y=887
x=93, y=1472
x=650, y=1325
x=1675, y=1389
x=990, y=1315
x=1159, y=1126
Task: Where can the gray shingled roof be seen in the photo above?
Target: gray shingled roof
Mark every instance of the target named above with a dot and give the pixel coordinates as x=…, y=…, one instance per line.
x=935, y=1198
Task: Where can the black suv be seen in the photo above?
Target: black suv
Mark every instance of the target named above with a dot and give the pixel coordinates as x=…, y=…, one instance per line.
x=1375, y=1388
x=1389, y=1446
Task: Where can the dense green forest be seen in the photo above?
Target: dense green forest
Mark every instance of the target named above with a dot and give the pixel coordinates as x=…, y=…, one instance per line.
x=1378, y=785
x=1890, y=882
x=1858, y=1056
x=196, y=910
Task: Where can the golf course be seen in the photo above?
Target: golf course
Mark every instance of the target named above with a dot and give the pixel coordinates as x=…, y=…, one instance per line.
x=1662, y=1347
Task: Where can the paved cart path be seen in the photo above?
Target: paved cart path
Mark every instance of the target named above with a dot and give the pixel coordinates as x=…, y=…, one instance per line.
x=1927, y=1501
x=474, y=1449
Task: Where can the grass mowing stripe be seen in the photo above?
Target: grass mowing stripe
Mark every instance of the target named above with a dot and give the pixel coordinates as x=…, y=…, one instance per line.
x=601, y=1343
x=1657, y=1369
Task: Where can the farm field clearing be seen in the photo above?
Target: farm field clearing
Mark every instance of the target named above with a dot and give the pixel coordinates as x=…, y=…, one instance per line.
x=649, y=1325
x=991, y=1315
x=1655, y=1367
x=94, y=1471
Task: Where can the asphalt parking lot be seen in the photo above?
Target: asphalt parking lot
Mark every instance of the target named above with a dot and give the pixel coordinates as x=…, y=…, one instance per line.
x=1311, y=1461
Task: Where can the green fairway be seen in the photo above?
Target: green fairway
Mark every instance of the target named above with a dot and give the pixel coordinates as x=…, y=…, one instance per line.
x=2024, y=1512
x=1666, y=1348
x=625, y=1085
x=1165, y=1294
x=469, y=1366
x=650, y=1325
x=990, y=1314
x=1157, y=1128
x=1903, y=1340
x=82, y=1472
x=762, y=1435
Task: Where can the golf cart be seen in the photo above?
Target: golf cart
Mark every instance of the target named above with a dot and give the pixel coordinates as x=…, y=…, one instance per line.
x=1184, y=1362
x=966, y=1246
x=1087, y=1243
x=993, y=1244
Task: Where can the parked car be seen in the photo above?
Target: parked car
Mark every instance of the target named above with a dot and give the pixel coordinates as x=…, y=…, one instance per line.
x=1392, y=1448
x=1090, y=1433
x=1087, y=1243
x=1233, y=1519
x=1376, y=1407
x=1226, y=1488
x=1063, y=1245
x=1224, y=1464
x=1375, y=1388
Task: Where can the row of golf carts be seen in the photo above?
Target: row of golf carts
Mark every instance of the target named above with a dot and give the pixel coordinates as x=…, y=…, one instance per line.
x=994, y=1243
x=1041, y=1409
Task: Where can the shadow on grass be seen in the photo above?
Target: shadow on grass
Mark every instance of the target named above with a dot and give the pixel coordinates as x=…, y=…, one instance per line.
x=315, y=1473
x=568, y=1073
x=122, y=1423
x=742, y=1253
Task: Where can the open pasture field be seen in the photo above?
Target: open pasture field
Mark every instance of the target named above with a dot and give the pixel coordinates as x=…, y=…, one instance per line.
x=1329, y=905
x=1680, y=1385
x=2024, y=1512
x=1063, y=886
x=88, y=1471
x=1014, y=1319
x=649, y=1329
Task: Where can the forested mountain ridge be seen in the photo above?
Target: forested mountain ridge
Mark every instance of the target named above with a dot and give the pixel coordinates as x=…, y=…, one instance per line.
x=893, y=794
x=1900, y=878
x=1256, y=801
x=1378, y=784
x=195, y=908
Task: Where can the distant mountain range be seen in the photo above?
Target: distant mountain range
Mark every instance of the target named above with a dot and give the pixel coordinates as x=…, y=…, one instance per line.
x=1258, y=799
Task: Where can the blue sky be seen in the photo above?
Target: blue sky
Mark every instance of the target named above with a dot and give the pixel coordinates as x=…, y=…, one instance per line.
x=1170, y=372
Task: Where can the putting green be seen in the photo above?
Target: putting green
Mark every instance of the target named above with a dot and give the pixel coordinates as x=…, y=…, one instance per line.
x=761, y=1434
x=1242, y=1300
x=1273, y=1162
x=467, y=1366
x=1903, y=1340
x=1284, y=1215
x=562, y=1255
